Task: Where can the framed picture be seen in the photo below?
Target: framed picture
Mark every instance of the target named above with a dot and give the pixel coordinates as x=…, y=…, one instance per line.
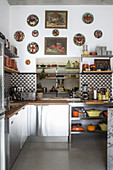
x=55, y=46
x=102, y=64
x=56, y=19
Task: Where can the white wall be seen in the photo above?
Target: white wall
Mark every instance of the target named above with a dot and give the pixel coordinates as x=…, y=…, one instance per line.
x=102, y=20
x=4, y=17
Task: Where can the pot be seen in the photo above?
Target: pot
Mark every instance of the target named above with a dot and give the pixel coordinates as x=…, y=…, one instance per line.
x=91, y=127
x=76, y=113
x=105, y=113
x=103, y=126
x=77, y=127
x=93, y=113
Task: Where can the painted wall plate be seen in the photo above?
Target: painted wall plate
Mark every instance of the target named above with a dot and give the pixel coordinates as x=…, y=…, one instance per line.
x=35, y=33
x=87, y=18
x=19, y=36
x=32, y=48
x=55, y=32
x=27, y=62
x=98, y=33
x=32, y=20
x=79, y=39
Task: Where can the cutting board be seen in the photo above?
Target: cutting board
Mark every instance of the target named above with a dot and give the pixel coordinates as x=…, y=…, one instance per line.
x=94, y=102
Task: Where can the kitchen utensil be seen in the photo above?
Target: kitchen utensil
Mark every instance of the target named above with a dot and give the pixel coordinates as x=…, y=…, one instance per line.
x=44, y=89
x=103, y=50
x=93, y=53
x=77, y=127
x=84, y=67
x=105, y=113
x=98, y=50
x=76, y=113
x=93, y=113
x=103, y=126
x=42, y=65
x=85, y=91
x=54, y=65
x=108, y=52
x=53, y=89
x=91, y=127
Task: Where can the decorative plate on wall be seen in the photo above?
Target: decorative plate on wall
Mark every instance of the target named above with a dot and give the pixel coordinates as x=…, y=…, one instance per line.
x=79, y=39
x=32, y=48
x=19, y=36
x=98, y=33
x=88, y=18
x=55, y=32
x=35, y=33
x=32, y=20
x=27, y=62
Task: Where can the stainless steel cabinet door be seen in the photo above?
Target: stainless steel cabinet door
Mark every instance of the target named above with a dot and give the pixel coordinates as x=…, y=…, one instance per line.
x=53, y=120
x=33, y=120
x=24, y=125
x=15, y=137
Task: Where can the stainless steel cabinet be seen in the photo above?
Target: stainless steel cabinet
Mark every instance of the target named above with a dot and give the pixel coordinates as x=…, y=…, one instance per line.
x=14, y=137
x=24, y=125
x=52, y=120
x=32, y=120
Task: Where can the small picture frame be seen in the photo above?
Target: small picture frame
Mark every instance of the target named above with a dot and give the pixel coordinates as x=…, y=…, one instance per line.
x=56, y=19
x=55, y=46
x=102, y=64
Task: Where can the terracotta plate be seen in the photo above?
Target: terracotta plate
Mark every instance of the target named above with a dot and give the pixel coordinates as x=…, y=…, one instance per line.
x=28, y=62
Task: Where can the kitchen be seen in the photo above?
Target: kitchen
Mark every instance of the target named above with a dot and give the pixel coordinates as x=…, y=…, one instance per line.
x=15, y=19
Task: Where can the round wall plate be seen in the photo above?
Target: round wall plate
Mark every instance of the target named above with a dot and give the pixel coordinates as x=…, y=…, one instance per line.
x=19, y=36
x=87, y=18
x=79, y=39
x=55, y=32
x=35, y=33
x=32, y=48
x=98, y=33
x=32, y=20
x=27, y=62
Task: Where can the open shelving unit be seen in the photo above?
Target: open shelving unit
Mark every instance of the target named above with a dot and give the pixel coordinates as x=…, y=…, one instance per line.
x=9, y=70
x=10, y=54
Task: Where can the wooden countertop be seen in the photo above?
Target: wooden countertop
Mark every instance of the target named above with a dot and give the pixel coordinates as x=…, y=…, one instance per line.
x=13, y=111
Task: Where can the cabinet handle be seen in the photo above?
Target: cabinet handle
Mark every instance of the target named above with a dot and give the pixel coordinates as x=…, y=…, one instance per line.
x=17, y=113
x=11, y=122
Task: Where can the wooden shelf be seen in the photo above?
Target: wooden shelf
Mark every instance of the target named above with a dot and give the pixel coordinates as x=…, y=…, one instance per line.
x=98, y=71
x=10, y=54
x=9, y=70
x=98, y=56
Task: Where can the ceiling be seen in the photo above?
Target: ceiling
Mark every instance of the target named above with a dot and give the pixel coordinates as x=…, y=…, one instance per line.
x=60, y=2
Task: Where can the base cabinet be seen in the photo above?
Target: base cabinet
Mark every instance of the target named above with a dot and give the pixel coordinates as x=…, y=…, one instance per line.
x=16, y=135
x=52, y=120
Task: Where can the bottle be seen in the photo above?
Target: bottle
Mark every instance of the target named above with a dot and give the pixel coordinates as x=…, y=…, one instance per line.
x=95, y=94
x=107, y=94
x=91, y=93
x=68, y=63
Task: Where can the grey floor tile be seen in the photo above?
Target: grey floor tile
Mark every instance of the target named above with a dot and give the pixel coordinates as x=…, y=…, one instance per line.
x=85, y=153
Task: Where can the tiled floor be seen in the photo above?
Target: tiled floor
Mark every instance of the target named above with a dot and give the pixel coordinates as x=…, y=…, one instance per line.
x=85, y=153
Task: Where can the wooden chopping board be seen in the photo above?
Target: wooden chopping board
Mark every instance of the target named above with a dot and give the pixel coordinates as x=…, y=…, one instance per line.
x=94, y=102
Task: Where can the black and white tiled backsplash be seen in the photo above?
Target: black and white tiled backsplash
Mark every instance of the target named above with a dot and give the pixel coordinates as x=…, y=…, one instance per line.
x=97, y=80
x=27, y=81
